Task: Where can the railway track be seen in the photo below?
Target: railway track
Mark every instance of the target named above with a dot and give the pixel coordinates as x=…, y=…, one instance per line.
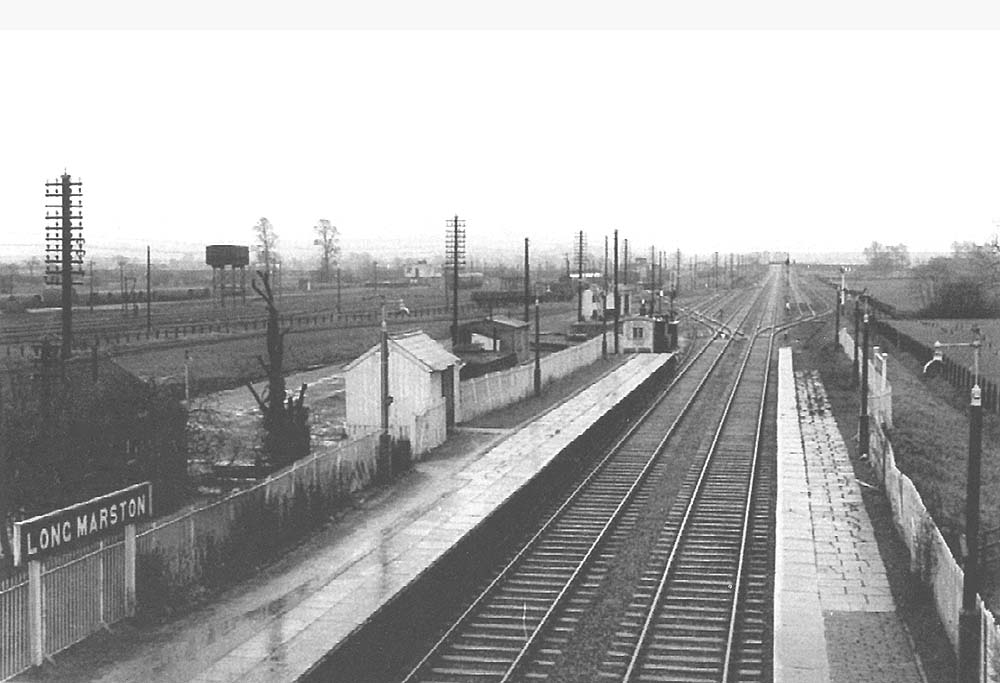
x=167, y=328
x=703, y=622
x=523, y=625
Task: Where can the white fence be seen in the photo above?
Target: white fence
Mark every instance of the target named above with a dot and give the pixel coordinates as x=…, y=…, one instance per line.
x=879, y=388
x=499, y=389
x=423, y=432
x=930, y=557
x=83, y=591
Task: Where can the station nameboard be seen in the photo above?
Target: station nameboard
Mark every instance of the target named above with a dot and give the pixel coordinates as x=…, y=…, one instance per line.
x=82, y=523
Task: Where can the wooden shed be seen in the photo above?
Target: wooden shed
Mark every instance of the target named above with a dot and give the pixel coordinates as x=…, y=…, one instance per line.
x=644, y=334
x=510, y=335
x=423, y=384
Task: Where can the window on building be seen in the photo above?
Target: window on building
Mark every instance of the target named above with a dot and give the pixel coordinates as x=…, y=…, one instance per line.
x=636, y=333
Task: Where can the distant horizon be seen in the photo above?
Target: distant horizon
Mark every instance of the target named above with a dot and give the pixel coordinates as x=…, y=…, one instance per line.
x=703, y=141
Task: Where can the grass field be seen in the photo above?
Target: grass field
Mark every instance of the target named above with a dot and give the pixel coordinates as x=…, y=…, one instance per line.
x=227, y=363
x=930, y=439
x=905, y=294
x=960, y=331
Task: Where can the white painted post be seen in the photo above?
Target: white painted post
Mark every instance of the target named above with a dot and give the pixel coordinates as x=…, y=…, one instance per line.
x=130, y=570
x=100, y=583
x=36, y=623
x=876, y=356
x=885, y=369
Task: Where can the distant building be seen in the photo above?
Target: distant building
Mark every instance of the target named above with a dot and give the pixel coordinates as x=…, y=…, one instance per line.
x=644, y=334
x=423, y=384
x=419, y=272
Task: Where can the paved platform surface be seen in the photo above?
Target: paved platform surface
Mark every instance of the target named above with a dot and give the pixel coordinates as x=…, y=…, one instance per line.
x=835, y=618
x=276, y=630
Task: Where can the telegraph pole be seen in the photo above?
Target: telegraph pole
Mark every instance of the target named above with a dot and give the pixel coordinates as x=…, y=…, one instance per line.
x=455, y=257
x=604, y=305
x=677, y=276
x=149, y=296
x=579, y=277
x=625, y=268
x=538, y=352
x=659, y=288
x=617, y=305
x=91, y=300
x=527, y=280
x=652, y=270
x=64, y=247
x=121, y=286
x=385, y=441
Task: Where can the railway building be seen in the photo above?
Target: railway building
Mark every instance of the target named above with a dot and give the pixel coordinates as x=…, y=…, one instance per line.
x=421, y=272
x=644, y=334
x=423, y=387
x=499, y=333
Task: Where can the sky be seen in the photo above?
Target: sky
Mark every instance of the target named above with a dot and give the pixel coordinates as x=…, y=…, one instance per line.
x=718, y=139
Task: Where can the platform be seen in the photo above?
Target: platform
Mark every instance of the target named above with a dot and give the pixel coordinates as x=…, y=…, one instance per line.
x=284, y=622
x=834, y=615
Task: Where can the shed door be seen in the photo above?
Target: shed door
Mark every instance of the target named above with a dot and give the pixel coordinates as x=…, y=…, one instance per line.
x=448, y=391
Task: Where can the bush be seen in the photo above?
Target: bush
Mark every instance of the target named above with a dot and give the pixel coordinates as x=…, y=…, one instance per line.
x=12, y=305
x=963, y=298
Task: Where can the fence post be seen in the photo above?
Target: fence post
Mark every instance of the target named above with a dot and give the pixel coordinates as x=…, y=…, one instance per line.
x=130, y=570
x=876, y=357
x=36, y=623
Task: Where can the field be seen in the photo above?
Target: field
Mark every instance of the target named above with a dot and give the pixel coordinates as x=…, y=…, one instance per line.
x=905, y=294
x=222, y=363
x=931, y=431
x=944, y=331
x=110, y=325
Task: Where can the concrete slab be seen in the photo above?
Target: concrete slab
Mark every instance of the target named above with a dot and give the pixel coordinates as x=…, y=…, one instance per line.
x=835, y=618
x=389, y=553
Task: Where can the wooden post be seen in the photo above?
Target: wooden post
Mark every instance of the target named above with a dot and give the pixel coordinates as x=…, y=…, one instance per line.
x=130, y=570
x=36, y=622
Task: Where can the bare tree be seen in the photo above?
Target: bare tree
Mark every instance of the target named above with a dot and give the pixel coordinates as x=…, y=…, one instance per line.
x=267, y=243
x=887, y=257
x=10, y=275
x=31, y=264
x=328, y=240
x=286, y=429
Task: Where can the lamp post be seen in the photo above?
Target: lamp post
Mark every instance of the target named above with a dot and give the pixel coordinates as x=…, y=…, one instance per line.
x=969, y=641
x=384, y=467
x=857, y=338
x=538, y=353
x=836, y=324
x=604, y=324
x=863, y=433
x=840, y=303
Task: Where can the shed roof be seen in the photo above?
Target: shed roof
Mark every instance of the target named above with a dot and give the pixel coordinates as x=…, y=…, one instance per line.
x=419, y=347
x=504, y=321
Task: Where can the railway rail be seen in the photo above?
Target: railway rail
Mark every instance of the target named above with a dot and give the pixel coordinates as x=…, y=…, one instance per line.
x=704, y=620
x=521, y=626
x=21, y=339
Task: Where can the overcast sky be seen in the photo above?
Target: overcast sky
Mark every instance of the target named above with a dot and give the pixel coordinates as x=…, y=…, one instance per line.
x=721, y=140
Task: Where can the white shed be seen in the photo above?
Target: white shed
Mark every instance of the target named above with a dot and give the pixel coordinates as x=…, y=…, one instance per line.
x=644, y=334
x=423, y=384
